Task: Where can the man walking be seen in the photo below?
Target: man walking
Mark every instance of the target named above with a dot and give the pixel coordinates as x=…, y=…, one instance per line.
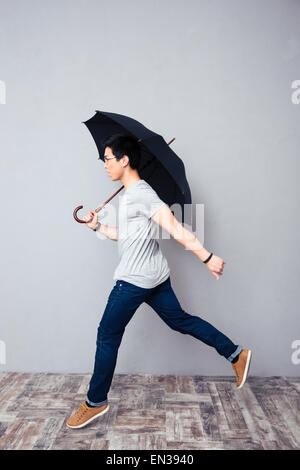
x=143, y=275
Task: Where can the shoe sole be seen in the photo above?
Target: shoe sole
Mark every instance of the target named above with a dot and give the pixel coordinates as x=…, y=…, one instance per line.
x=89, y=420
x=246, y=368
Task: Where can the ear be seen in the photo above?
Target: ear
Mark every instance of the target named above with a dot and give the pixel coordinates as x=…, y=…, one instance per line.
x=125, y=160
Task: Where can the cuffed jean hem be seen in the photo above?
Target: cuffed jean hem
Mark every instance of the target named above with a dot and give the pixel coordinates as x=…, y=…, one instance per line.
x=234, y=354
x=96, y=404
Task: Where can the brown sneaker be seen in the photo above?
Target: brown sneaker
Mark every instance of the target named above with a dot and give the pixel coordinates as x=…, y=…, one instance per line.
x=85, y=415
x=241, y=367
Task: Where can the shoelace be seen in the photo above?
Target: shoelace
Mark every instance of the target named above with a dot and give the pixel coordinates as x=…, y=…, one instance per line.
x=80, y=412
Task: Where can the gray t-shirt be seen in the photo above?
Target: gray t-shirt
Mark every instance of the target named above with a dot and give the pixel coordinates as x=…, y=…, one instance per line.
x=142, y=262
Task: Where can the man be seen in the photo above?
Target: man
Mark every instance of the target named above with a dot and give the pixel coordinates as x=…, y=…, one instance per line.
x=143, y=275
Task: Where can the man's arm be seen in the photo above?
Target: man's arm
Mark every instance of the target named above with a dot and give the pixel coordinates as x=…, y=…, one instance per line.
x=109, y=231
x=91, y=220
x=167, y=221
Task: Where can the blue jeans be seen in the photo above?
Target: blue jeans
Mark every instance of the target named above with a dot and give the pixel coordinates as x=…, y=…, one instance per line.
x=122, y=303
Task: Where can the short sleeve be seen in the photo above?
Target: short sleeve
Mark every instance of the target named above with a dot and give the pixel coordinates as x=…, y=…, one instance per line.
x=151, y=203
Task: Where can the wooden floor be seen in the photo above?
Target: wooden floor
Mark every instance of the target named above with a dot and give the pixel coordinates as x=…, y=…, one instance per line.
x=151, y=412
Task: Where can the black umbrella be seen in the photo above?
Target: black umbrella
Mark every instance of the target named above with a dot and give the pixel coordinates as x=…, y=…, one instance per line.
x=160, y=167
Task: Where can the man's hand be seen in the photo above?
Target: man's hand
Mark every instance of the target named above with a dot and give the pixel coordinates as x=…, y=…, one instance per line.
x=215, y=266
x=91, y=219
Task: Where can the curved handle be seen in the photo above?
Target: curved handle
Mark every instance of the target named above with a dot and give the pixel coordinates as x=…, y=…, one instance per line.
x=83, y=221
x=96, y=210
x=75, y=215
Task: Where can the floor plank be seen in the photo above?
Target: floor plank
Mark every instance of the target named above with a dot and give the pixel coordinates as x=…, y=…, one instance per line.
x=156, y=412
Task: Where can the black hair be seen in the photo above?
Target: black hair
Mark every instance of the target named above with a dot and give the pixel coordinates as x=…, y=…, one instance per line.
x=124, y=144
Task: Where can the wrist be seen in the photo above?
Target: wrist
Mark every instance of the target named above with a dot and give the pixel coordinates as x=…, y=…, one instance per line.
x=208, y=258
x=96, y=227
x=203, y=254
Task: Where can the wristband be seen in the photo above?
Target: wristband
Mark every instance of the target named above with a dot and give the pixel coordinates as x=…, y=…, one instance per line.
x=208, y=258
x=97, y=227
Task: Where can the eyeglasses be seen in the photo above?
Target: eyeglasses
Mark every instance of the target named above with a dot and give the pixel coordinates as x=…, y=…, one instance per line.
x=105, y=158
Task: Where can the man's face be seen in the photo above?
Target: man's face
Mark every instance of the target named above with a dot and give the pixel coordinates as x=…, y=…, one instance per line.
x=115, y=168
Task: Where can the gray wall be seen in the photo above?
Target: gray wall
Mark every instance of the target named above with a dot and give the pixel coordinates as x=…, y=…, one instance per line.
x=216, y=75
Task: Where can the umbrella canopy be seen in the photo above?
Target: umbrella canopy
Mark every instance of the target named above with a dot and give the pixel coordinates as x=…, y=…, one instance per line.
x=162, y=169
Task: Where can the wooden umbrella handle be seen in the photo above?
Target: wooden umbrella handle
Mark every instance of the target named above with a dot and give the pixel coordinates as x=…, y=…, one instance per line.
x=96, y=210
x=109, y=199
